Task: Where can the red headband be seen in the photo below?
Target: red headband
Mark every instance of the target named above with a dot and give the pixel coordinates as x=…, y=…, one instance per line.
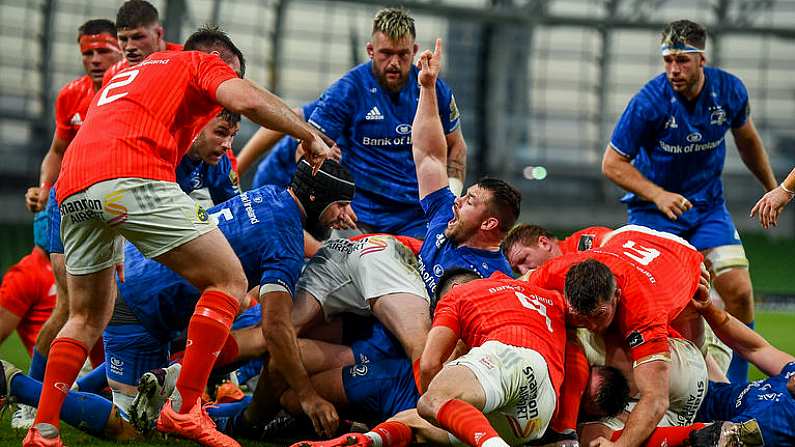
x=103, y=40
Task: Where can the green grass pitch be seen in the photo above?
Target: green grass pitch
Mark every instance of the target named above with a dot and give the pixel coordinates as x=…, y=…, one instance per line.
x=775, y=326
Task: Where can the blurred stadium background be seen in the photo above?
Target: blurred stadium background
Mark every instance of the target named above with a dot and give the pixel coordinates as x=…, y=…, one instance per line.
x=539, y=84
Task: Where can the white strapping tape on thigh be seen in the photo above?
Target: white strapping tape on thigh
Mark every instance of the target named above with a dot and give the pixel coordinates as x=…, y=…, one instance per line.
x=727, y=257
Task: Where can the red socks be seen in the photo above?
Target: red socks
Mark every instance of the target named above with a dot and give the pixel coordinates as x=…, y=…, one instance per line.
x=466, y=422
x=228, y=353
x=97, y=354
x=666, y=436
x=207, y=334
x=415, y=367
x=66, y=357
x=392, y=434
x=575, y=381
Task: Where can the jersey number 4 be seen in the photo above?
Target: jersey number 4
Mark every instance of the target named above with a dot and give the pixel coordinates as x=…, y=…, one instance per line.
x=120, y=80
x=532, y=303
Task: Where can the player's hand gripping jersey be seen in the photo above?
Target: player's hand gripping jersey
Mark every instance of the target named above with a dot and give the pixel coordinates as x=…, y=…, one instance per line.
x=657, y=273
x=136, y=124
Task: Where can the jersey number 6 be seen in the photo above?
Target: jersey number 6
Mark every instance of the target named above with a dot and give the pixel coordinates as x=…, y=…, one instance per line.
x=120, y=80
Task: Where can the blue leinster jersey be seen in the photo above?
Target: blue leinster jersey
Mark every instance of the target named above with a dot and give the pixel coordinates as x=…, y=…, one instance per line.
x=439, y=253
x=278, y=167
x=680, y=145
x=220, y=180
x=768, y=401
x=372, y=126
x=264, y=228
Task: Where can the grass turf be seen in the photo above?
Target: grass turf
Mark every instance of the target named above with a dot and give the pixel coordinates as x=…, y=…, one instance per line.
x=774, y=326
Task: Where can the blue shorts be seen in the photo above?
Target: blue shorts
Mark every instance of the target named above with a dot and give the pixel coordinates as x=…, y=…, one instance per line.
x=377, y=345
x=54, y=244
x=130, y=351
x=380, y=389
x=704, y=227
x=250, y=318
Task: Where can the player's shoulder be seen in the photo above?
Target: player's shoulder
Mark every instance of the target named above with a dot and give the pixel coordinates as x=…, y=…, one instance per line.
x=727, y=84
x=77, y=88
x=656, y=92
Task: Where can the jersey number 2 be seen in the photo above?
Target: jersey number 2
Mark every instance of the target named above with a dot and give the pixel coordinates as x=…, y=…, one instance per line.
x=120, y=80
x=532, y=303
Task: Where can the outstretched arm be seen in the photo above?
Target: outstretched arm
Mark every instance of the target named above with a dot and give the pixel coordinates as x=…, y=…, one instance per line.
x=743, y=340
x=259, y=143
x=429, y=145
x=268, y=110
x=752, y=152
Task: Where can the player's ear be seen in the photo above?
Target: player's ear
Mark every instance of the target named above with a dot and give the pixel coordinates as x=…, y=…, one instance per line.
x=489, y=224
x=544, y=243
x=370, y=50
x=160, y=32
x=416, y=48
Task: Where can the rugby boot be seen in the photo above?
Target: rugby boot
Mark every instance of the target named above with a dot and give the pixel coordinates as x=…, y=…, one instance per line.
x=42, y=435
x=154, y=388
x=7, y=372
x=728, y=434
x=195, y=425
x=346, y=440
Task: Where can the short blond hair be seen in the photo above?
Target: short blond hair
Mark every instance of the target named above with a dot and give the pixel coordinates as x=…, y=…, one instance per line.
x=395, y=23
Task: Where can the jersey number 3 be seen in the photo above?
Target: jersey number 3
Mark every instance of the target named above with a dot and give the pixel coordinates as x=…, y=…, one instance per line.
x=120, y=80
x=532, y=303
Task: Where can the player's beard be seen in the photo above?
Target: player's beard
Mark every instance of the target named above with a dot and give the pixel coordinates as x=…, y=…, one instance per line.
x=461, y=231
x=393, y=85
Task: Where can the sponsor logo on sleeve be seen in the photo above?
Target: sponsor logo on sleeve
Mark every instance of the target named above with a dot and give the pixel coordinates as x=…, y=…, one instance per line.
x=635, y=339
x=586, y=242
x=454, y=115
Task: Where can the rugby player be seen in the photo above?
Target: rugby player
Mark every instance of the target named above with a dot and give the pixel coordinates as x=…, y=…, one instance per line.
x=771, y=204
x=206, y=172
x=373, y=275
x=504, y=390
x=668, y=149
x=140, y=34
x=99, y=49
x=462, y=231
x=129, y=191
x=528, y=246
x=633, y=290
x=369, y=111
x=27, y=293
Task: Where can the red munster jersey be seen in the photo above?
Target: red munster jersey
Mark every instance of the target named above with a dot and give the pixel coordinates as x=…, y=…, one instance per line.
x=584, y=239
x=141, y=120
x=122, y=64
x=509, y=311
x=71, y=106
x=658, y=273
x=28, y=291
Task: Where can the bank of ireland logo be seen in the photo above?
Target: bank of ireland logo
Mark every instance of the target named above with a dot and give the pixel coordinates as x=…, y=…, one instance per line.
x=403, y=129
x=694, y=137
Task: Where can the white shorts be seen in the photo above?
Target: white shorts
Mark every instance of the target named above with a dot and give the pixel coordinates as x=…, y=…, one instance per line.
x=345, y=275
x=520, y=398
x=154, y=215
x=687, y=387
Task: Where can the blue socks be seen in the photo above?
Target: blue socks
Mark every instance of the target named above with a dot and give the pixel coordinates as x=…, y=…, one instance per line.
x=85, y=411
x=738, y=368
x=37, y=364
x=93, y=382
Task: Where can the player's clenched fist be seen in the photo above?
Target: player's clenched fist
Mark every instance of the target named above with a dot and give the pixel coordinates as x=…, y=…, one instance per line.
x=315, y=151
x=430, y=64
x=36, y=198
x=672, y=204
